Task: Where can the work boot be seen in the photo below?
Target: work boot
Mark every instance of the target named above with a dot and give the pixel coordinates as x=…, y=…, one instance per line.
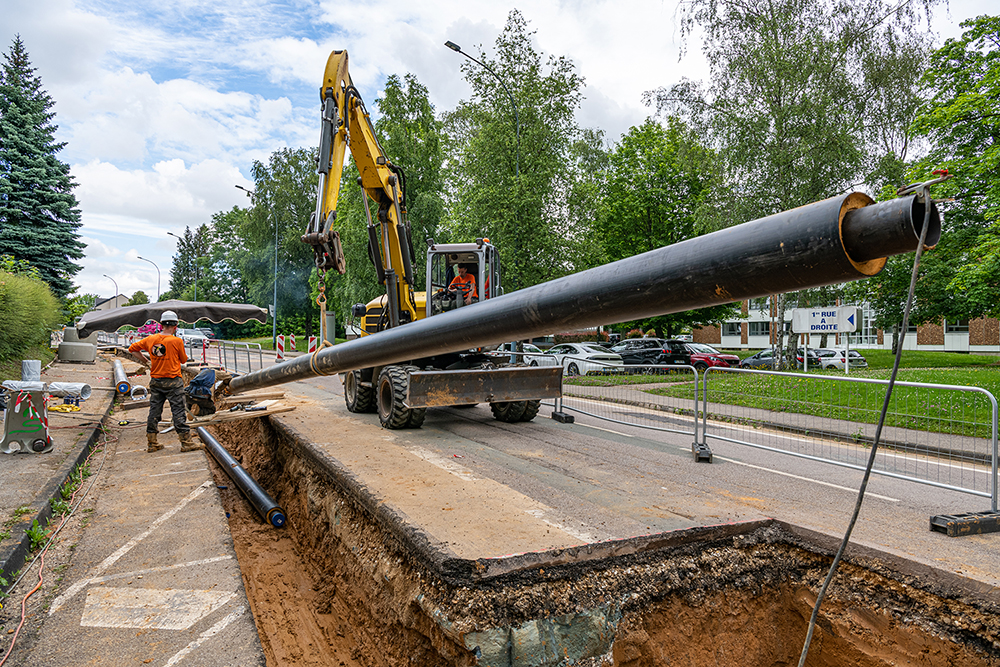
x=187, y=443
x=151, y=445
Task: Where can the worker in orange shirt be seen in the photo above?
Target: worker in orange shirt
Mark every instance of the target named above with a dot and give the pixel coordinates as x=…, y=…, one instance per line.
x=464, y=284
x=166, y=354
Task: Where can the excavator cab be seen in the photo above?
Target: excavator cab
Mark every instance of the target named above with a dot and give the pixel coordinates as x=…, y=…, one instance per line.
x=482, y=264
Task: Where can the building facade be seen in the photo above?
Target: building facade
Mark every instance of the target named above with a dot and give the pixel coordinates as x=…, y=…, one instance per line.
x=758, y=326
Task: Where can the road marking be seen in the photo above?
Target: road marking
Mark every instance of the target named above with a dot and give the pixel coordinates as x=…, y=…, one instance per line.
x=578, y=534
x=128, y=546
x=134, y=573
x=806, y=479
x=448, y=465
x=178, y=472
x=608, y=430
x=149, y=607
x=208, y=634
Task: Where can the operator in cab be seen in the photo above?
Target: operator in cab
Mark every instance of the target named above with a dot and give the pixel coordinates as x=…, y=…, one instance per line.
x=464, y=284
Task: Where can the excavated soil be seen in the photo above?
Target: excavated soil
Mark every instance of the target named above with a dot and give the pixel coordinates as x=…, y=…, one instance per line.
x=347, y=582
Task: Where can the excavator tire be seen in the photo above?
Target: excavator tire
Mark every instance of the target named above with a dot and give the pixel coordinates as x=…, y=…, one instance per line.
x=531, y=409
x=509, y=412
x=358, y=397
x=390, y=396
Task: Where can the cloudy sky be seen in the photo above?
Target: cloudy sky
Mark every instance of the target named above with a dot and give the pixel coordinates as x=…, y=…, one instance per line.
x=165, y=105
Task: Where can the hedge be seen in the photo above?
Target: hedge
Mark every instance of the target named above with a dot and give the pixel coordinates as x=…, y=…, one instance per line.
x=28, y=312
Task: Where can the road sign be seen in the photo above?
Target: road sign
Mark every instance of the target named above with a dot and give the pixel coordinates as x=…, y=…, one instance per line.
x=837, y=319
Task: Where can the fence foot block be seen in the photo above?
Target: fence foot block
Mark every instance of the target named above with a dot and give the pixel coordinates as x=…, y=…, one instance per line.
x=701, y=452
x=563, y=418
x=972, y=523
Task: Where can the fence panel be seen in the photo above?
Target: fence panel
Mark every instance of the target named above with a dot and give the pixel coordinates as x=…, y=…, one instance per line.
x=941, y=435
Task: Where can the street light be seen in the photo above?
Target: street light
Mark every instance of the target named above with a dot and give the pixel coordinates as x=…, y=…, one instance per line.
x=458, y=49
x=517, y=164
x=116, y=287
x=274, y=301
x=157, y=275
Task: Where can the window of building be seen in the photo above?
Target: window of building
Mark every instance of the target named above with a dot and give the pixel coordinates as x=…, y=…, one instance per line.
x=731, y=329
x=957, y=326
x=760, y=328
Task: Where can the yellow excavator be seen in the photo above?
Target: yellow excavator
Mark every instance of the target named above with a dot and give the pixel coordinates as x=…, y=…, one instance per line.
x=458, y=275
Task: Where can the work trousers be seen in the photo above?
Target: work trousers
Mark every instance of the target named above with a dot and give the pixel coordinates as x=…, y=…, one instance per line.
x=162, y=390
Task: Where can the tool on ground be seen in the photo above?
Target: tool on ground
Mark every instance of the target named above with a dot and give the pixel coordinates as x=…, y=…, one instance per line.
x=265, y=505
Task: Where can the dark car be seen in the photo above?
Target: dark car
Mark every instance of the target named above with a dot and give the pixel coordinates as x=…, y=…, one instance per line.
x=674, y=353
x=704, y=356
x=636, y=351
x=814, y=359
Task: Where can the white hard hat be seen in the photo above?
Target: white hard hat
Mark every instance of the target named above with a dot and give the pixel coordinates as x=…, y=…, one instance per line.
x=168, y=317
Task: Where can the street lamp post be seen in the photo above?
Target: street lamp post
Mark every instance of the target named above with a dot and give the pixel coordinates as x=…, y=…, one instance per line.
x=274, y=301
x=116, y=287
x=517, y=121
x=157, y=275
x=458, y=49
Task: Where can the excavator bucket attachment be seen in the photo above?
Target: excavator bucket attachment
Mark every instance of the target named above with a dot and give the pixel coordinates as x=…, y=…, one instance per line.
x=430, y=389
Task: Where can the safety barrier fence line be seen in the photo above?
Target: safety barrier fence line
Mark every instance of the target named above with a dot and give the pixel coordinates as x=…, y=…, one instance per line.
x=921, y=455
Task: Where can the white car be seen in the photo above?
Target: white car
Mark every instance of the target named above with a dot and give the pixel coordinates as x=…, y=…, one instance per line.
x=584, y=358
x=532, y=355
x=192, y=337
x=831, y=357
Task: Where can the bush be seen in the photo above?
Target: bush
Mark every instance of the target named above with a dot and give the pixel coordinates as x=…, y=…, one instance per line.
x=582, y=337
x=634, y=333
x=650, y=334
x=28, y=312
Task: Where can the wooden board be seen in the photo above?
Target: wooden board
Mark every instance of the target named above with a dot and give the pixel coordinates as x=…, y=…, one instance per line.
x=230, y=401
x=239, y=415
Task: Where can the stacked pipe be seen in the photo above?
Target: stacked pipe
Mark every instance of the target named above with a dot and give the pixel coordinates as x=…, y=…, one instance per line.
x=265, y=505
x=122, y=384
x=828, y=242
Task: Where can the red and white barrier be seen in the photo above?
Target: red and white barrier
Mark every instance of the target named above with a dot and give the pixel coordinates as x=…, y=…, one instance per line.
x=204, y=351
x=281, y=347
x=291, y=343
x=312, y=344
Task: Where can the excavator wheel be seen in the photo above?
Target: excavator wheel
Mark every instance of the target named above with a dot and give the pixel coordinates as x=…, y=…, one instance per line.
x=358, y=397
x=531, y=409
x=509, y=412
x=391, y=392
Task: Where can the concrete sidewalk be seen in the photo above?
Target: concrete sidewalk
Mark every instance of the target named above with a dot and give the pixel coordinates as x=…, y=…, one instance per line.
x=144, y=571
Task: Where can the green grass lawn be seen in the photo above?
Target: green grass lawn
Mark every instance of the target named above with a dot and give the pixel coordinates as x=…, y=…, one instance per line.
x=301, y=342
x=920, y=408
x=11, y=368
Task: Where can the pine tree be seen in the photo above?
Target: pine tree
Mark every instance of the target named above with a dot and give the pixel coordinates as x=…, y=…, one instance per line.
x=39, y=215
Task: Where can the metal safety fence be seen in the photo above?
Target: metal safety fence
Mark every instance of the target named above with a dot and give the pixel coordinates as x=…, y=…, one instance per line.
x=235, y=356
x=623, y=394
x=940, y=435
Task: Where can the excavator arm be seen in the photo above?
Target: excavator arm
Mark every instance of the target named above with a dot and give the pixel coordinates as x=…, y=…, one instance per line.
x=347, y=125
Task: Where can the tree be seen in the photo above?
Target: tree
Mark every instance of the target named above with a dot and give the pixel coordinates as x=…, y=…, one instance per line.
x=138, y=298
x=515, y=192
x=39, y=217
x=185, y=268
x=962, y=120
x=657, y=180
x=791, y=106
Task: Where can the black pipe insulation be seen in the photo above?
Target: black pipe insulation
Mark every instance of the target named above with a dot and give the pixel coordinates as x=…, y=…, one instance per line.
x=265, y=505
x=833, y=241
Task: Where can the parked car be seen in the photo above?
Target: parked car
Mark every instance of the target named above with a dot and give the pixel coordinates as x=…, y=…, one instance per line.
x=674, y=353
x=205, y=330
x=832, y=357
x=687, y=338
x=762, y=359
x=584, y=358
x=811, y=353
x=532, y=355
x=639, y=350
x=192, y=336
x=704, y=356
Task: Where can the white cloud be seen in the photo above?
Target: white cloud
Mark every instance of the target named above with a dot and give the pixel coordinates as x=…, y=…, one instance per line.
x=98, y=249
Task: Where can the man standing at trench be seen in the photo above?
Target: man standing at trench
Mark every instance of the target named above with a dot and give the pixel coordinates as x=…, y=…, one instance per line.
x=166, y=354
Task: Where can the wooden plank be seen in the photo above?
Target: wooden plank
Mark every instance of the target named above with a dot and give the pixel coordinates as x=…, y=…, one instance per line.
x=132, y=405
x=239, y=415
x=229, y=401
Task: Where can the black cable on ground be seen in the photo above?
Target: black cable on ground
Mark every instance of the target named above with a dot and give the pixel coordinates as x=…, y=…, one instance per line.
x=878, y=431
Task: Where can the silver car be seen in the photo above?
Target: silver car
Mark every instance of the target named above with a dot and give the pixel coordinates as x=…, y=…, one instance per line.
x=531, y=356
x=584, y=358
x=833, y=357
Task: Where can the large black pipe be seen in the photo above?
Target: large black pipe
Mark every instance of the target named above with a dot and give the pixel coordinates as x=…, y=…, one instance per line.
x=265, y=505
x=832, y=241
